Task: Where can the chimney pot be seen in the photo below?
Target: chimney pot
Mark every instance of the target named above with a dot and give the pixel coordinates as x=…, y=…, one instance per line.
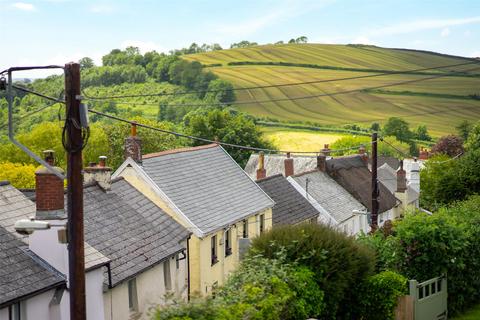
x=100, y=174
x=49, y=156
x=322, y=162
x=133, y=146
x=326, y=150
x=102, y=161
x=261, y=172
x=288, y=162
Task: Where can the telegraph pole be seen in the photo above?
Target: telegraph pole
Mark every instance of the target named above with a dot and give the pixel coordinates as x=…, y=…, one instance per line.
x=74, y=143
x=375, y=192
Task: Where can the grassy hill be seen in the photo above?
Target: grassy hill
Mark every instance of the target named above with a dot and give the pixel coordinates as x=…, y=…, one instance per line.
x=440, y=103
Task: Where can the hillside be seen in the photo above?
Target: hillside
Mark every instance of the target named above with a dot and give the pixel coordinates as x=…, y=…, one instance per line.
x=439, y=103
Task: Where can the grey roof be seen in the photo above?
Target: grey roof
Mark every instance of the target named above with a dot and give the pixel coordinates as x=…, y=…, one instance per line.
x=207, y=185
x=393, y=162
x=337, y=201
x=274, y=164
x=14, y=205
x=388, y=177
x=352, y=174
x=129, y=229
x=290, y=206
x=22, y=274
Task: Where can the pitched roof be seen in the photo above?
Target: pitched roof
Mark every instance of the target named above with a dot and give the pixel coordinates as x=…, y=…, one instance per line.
x=290, y=206
x=206, y=185
x=14, y=205
x=129, y=229
x=388, y=177
x=274, y=164
x=337, y=201
x=393, y=162
x=353, y=175
x=22, y=274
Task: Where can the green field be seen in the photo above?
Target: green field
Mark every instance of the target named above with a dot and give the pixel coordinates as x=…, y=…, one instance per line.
x=299, y=140
x=439, y=103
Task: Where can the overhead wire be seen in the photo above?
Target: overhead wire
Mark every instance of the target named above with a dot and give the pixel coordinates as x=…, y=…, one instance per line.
x=161, y=94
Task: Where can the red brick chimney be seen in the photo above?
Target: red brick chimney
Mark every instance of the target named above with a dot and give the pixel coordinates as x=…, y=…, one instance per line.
x=423, y=155
x=362, y=151
x=99, y=173
x=322, y=162
x=326, y=150
x=133, y=146
x=401, y=179
x=49, y=192
x=261, y=172
x=288, y=166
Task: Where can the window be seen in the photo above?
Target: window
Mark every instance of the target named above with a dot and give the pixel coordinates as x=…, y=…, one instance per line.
x=167, y=278
x=228, y=243
x=245, y=228
x=262, y=223
x=214, y=250
x=14, y=312
x=132, y=295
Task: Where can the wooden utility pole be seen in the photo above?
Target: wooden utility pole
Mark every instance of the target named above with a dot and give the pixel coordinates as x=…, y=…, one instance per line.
x=375, y=192
x=74, y=143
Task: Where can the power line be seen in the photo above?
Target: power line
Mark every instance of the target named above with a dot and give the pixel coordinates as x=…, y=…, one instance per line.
x=38, y=94
x=237, y=146
x=392, y=72
x=301, y=97
x=29, y=114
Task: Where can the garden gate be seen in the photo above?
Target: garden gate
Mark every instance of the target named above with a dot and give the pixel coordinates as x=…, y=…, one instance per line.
x=429, y=298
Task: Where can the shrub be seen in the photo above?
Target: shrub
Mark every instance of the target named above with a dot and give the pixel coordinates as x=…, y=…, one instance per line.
x=380, y=294
x=19, y=175
x=339, y=263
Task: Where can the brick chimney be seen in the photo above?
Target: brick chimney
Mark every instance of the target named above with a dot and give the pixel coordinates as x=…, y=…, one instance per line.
x=133, y=146
x=322, y=162
x=362, y=151
x=326, y=150
x=261, y=172
x=288, y=162
x=423, y=155
x=401, y=179
x=99, y=173
x=49, y=192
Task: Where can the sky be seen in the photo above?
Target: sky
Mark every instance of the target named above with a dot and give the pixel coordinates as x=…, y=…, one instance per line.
x=59, y=31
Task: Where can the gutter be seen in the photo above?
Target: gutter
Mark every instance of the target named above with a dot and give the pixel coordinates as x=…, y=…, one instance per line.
x=188, y=267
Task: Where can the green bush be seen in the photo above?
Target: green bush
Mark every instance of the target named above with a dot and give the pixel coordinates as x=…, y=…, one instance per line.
x=340, y=263
x=380, y=294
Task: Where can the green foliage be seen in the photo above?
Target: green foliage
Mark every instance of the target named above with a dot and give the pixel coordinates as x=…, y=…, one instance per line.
x=380, y=294
x=243, y=44
x=339, y=263
x=398, y=128
x=422, y=133
x=19, y=175
x=129, y=56
x=428, y=246
x=375, y=127
x=222, y=92
x=384, y=149
x=260, y=289
x=112, y=75
x=464, y=129
x=226, y=126
x=450, y=145
x=86, y=63
x=473, y=141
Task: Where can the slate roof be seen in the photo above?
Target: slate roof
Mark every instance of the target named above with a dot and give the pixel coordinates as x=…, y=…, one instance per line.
x=392, y=162
x=388, y=177
x=274, y=164
x=206, y=185
x=290, y=206
x=337, y=201
x=14, y=205
x=129, y=229
x=22, y=274
x=352, y=174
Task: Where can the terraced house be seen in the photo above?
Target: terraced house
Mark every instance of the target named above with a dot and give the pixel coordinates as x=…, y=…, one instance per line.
x=206, y=191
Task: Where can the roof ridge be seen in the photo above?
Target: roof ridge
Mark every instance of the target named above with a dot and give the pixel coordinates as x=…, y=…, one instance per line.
x=269, y=177
x=305, y=172
x=178, y=150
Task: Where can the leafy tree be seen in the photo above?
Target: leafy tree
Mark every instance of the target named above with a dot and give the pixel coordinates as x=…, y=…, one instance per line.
x=398, y=128
x=375, y=127
x=19, y=175
x=473, y=141
x=228, y=126
x=86, y=63
x=279, y=42
x=464, y=129
x=291, y=41
x=243, y=44
x=422, y=133
x=384, y=149
x=222, y=91
x=301, y=39
x=450, y=145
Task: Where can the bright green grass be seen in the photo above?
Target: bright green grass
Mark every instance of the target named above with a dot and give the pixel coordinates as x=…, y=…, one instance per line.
x=441, y=115
x=472, y=314
x=299, y=140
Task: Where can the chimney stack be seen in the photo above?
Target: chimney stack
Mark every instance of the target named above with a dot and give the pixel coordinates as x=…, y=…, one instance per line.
x=133, y=146
x=401, y=179
x=261, y=172
x=49, y=192
x=326, y=150
x=99, y=173
x=362, y=151
x=288, y=162
x=423, y=155
x=322, y=162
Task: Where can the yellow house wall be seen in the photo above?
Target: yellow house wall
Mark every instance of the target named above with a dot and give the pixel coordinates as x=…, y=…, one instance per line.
x=203, y=275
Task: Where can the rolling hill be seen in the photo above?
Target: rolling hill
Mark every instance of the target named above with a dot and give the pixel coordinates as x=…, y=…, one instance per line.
x=440, y=103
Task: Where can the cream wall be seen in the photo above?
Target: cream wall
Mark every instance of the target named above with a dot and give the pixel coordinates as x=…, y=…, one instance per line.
x=202, y=274
x=36, y=308
x=150, y=291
